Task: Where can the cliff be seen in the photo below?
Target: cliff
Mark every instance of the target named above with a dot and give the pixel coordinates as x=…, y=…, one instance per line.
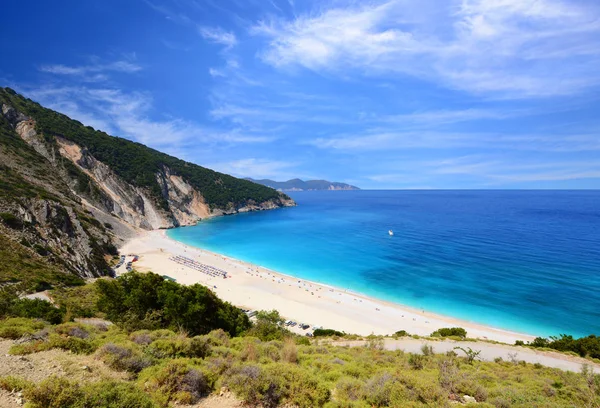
x=74, y=192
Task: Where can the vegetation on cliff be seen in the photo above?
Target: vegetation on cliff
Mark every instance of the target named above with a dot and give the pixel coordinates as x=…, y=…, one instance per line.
x=138, y=164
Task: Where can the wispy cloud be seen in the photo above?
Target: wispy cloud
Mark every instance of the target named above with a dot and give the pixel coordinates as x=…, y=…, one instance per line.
x=256, y=168
x=92, y=71
x=128, y=114
x=398, y=140
x=506, y=48
x=219, y=36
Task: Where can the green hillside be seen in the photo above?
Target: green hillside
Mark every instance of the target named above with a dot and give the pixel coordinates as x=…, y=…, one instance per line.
x=175, y=345
x=138, y=164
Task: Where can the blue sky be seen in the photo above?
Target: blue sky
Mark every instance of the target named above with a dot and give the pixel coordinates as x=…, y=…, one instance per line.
x=381, y=94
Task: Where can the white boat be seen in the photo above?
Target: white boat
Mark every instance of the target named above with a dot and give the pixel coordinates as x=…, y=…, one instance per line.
x=391, y=232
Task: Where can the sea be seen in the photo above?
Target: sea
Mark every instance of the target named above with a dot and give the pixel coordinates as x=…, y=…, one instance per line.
x=525, y=261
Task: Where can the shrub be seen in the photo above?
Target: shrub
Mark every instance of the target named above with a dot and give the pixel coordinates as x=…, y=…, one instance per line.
x=249, y=352
x=74, y=344
x=176, y=381
x=54, y=392
x=295, y=386
x=147, y=300
x=141, y=338
x=349, y=389
x=302, y=341
x=199, y=346
x=427, y=350
x=377, y=390
x=253, y=386
x=470, y=353
x=416, y=361
x=585, y=346
x=289, y=352
x=171, y=347
x=327, y=333
x=115, y=395
x=15, y=328
x=401, y=333
x=37, y=309
x=12, y=384
x=269, y=326
x=452, y=331
x=124, y=358
x=375, y=342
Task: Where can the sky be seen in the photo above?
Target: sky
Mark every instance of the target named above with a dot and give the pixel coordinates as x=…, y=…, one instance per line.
x=402, y=94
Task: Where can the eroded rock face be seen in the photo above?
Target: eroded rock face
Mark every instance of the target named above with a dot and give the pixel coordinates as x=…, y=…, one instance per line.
x=55, y=230
x=182, y=204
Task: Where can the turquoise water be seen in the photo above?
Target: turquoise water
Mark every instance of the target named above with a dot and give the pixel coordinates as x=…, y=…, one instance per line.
x=527, y=261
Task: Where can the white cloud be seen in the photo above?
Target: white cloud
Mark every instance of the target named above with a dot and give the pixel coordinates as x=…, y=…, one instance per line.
x=218, y=35
x=116, y=66
x=507, y=48
x=129, y=115
x=390, y=140
x=255, y=168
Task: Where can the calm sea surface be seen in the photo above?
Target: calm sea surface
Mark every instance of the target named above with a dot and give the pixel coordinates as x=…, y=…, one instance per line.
x=521, y=260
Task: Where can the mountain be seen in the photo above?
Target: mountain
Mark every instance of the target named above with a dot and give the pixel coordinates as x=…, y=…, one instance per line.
x=301, y=185
x=69, y=193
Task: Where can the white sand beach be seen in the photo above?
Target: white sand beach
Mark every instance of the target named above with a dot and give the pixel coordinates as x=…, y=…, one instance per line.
x=253, y=287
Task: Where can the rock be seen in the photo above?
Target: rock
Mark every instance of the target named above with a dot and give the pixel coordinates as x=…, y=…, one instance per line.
x=86, y=368
x=468, y=399
x=19, y=401
x=19, y=394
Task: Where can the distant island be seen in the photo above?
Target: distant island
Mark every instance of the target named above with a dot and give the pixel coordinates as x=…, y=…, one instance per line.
x=301, y=185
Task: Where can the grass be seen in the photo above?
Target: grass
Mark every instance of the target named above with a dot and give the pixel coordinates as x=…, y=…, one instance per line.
x=167, y=367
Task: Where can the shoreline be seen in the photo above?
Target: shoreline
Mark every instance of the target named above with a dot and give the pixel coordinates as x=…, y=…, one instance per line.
x=259, y=288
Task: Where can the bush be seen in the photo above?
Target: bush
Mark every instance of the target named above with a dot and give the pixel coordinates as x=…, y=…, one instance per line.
x=12, y=384
x=296, y=386
x=416, y=361
x=57, y=392
x=349, y=389
x=54, y=392
x=15, y=328
x=269, y=326
x=124, y=358
x=148, y=301
x=176, y=381
x=327, y=333
x=289, y=352
x=37, y=309
x=452, y=331
x=401, y=333
x=585, y=346
x=253, y=386
x=378, y=390
x=427, y=350
x=115, y=395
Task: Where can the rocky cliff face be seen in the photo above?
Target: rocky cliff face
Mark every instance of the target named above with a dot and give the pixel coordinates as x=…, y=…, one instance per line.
x=58, y=233
x=65, y=210
x=182, y=205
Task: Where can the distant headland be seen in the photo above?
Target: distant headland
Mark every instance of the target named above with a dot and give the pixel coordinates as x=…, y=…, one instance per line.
x=301, y=185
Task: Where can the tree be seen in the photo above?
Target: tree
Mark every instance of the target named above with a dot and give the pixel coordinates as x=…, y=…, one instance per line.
x=470, y=353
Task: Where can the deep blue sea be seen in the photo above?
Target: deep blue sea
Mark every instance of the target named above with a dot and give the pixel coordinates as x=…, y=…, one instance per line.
x=526, y=261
